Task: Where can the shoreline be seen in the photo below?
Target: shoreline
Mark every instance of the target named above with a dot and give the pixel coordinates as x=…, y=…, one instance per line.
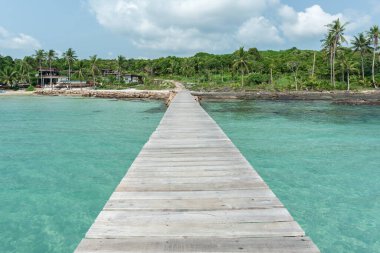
x=117, y=94
x=366, y=97
x=370, y=97
x=17, y=93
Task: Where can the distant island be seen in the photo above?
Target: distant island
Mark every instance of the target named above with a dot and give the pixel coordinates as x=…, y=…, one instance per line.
x=339, y=65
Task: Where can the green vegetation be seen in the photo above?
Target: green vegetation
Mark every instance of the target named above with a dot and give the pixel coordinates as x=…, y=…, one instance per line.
x=30, y=88
x=338, y=65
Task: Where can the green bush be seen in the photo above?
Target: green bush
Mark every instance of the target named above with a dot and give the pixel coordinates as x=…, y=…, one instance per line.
x=256, y=79
x=30, y=88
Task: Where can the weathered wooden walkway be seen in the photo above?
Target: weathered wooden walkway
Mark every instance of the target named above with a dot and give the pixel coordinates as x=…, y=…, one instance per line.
x=191, y=190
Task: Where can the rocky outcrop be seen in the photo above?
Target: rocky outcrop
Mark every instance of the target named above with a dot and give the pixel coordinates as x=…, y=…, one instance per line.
x=117, y=94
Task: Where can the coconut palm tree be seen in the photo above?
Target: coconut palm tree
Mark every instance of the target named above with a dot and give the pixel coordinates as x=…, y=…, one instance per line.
x=24, y=69
x=342, y=60
x=294, y=67
x=374, y=34
x=51, y=56
x=333, y=40
x=120, y=61
x=172, y=66
x=81, y=73
x=362, y=45
x=241, y=63
x=187, y=67
x=40, y=57
x=94, y=68
x=70, y=57
x=328, y=48
x=351, y=67
x=8, y=76
x=271, y=66
x=313, y=68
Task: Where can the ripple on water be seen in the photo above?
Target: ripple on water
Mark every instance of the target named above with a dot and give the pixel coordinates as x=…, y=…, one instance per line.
x=321, y=160
x=60, y=159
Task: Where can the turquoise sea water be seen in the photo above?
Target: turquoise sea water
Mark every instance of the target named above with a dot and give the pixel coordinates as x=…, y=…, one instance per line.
x=60, y=159
x=322, y=161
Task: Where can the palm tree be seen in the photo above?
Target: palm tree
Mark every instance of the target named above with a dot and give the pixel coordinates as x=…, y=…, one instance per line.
x=271, y=67
x=351, y=67
x=313, y=68
x=8, y=76
x=333, y=40
x=51, y=56
x=328, y=48
x=24, y=70
x=374, y=34
x=81, y=72
x=172, y=66
x=70, y=58
x=241, y=63
x=187, y=67
x=120, y=61
x=362, y=45
x=94, y=68
x=40, y=57
x=294, y=67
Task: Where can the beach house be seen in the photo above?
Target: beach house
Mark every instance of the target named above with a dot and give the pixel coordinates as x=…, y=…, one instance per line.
x=47, y=76
x=127, y=78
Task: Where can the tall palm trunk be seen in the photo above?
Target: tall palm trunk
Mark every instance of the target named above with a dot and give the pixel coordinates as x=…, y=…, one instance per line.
x=348, y=80
x=69, y=76
x=331, y=66
x=362, y=60
x=242, y=78
x=333, y=70
x=51, y=79
x=333, y=62
x=314, y=59
x=42, y=85
x=373, y=66
x=222, y=74
x=94, y=79
x=271, y=77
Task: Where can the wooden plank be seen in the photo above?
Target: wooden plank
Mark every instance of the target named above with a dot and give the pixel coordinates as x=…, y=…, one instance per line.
x=192, y=180
x=209, y=217
x=192, y=204
x=197, y=245
x=187, y=173
x=191, y=229
x=256, y=193
x=146, y=186
x=191, y=190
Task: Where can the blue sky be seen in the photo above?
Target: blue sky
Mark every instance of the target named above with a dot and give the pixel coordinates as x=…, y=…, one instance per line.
x=153, y=28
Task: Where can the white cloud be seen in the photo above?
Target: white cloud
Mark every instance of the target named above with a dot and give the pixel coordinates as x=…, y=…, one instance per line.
x=185, y=26
x=357, y=21
x=259, y=31
x=17, y=41
x=310, y=23
x=180, y=26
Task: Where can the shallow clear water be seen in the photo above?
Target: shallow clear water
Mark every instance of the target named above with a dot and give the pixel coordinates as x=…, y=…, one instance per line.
x=322, y=161
x=60, y=159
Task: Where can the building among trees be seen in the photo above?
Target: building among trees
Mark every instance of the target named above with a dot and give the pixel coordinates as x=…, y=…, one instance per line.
x=47, y=76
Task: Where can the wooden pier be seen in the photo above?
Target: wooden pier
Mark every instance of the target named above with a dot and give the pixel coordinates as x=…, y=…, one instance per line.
x=191, y=190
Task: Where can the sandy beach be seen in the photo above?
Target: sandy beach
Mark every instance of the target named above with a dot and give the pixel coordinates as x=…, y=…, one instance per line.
x=16, y=93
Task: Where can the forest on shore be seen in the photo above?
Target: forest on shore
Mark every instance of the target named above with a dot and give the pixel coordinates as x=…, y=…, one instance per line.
x=339, y=65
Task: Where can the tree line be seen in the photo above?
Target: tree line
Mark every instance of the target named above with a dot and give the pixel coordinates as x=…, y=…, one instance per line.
x=340, y=64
